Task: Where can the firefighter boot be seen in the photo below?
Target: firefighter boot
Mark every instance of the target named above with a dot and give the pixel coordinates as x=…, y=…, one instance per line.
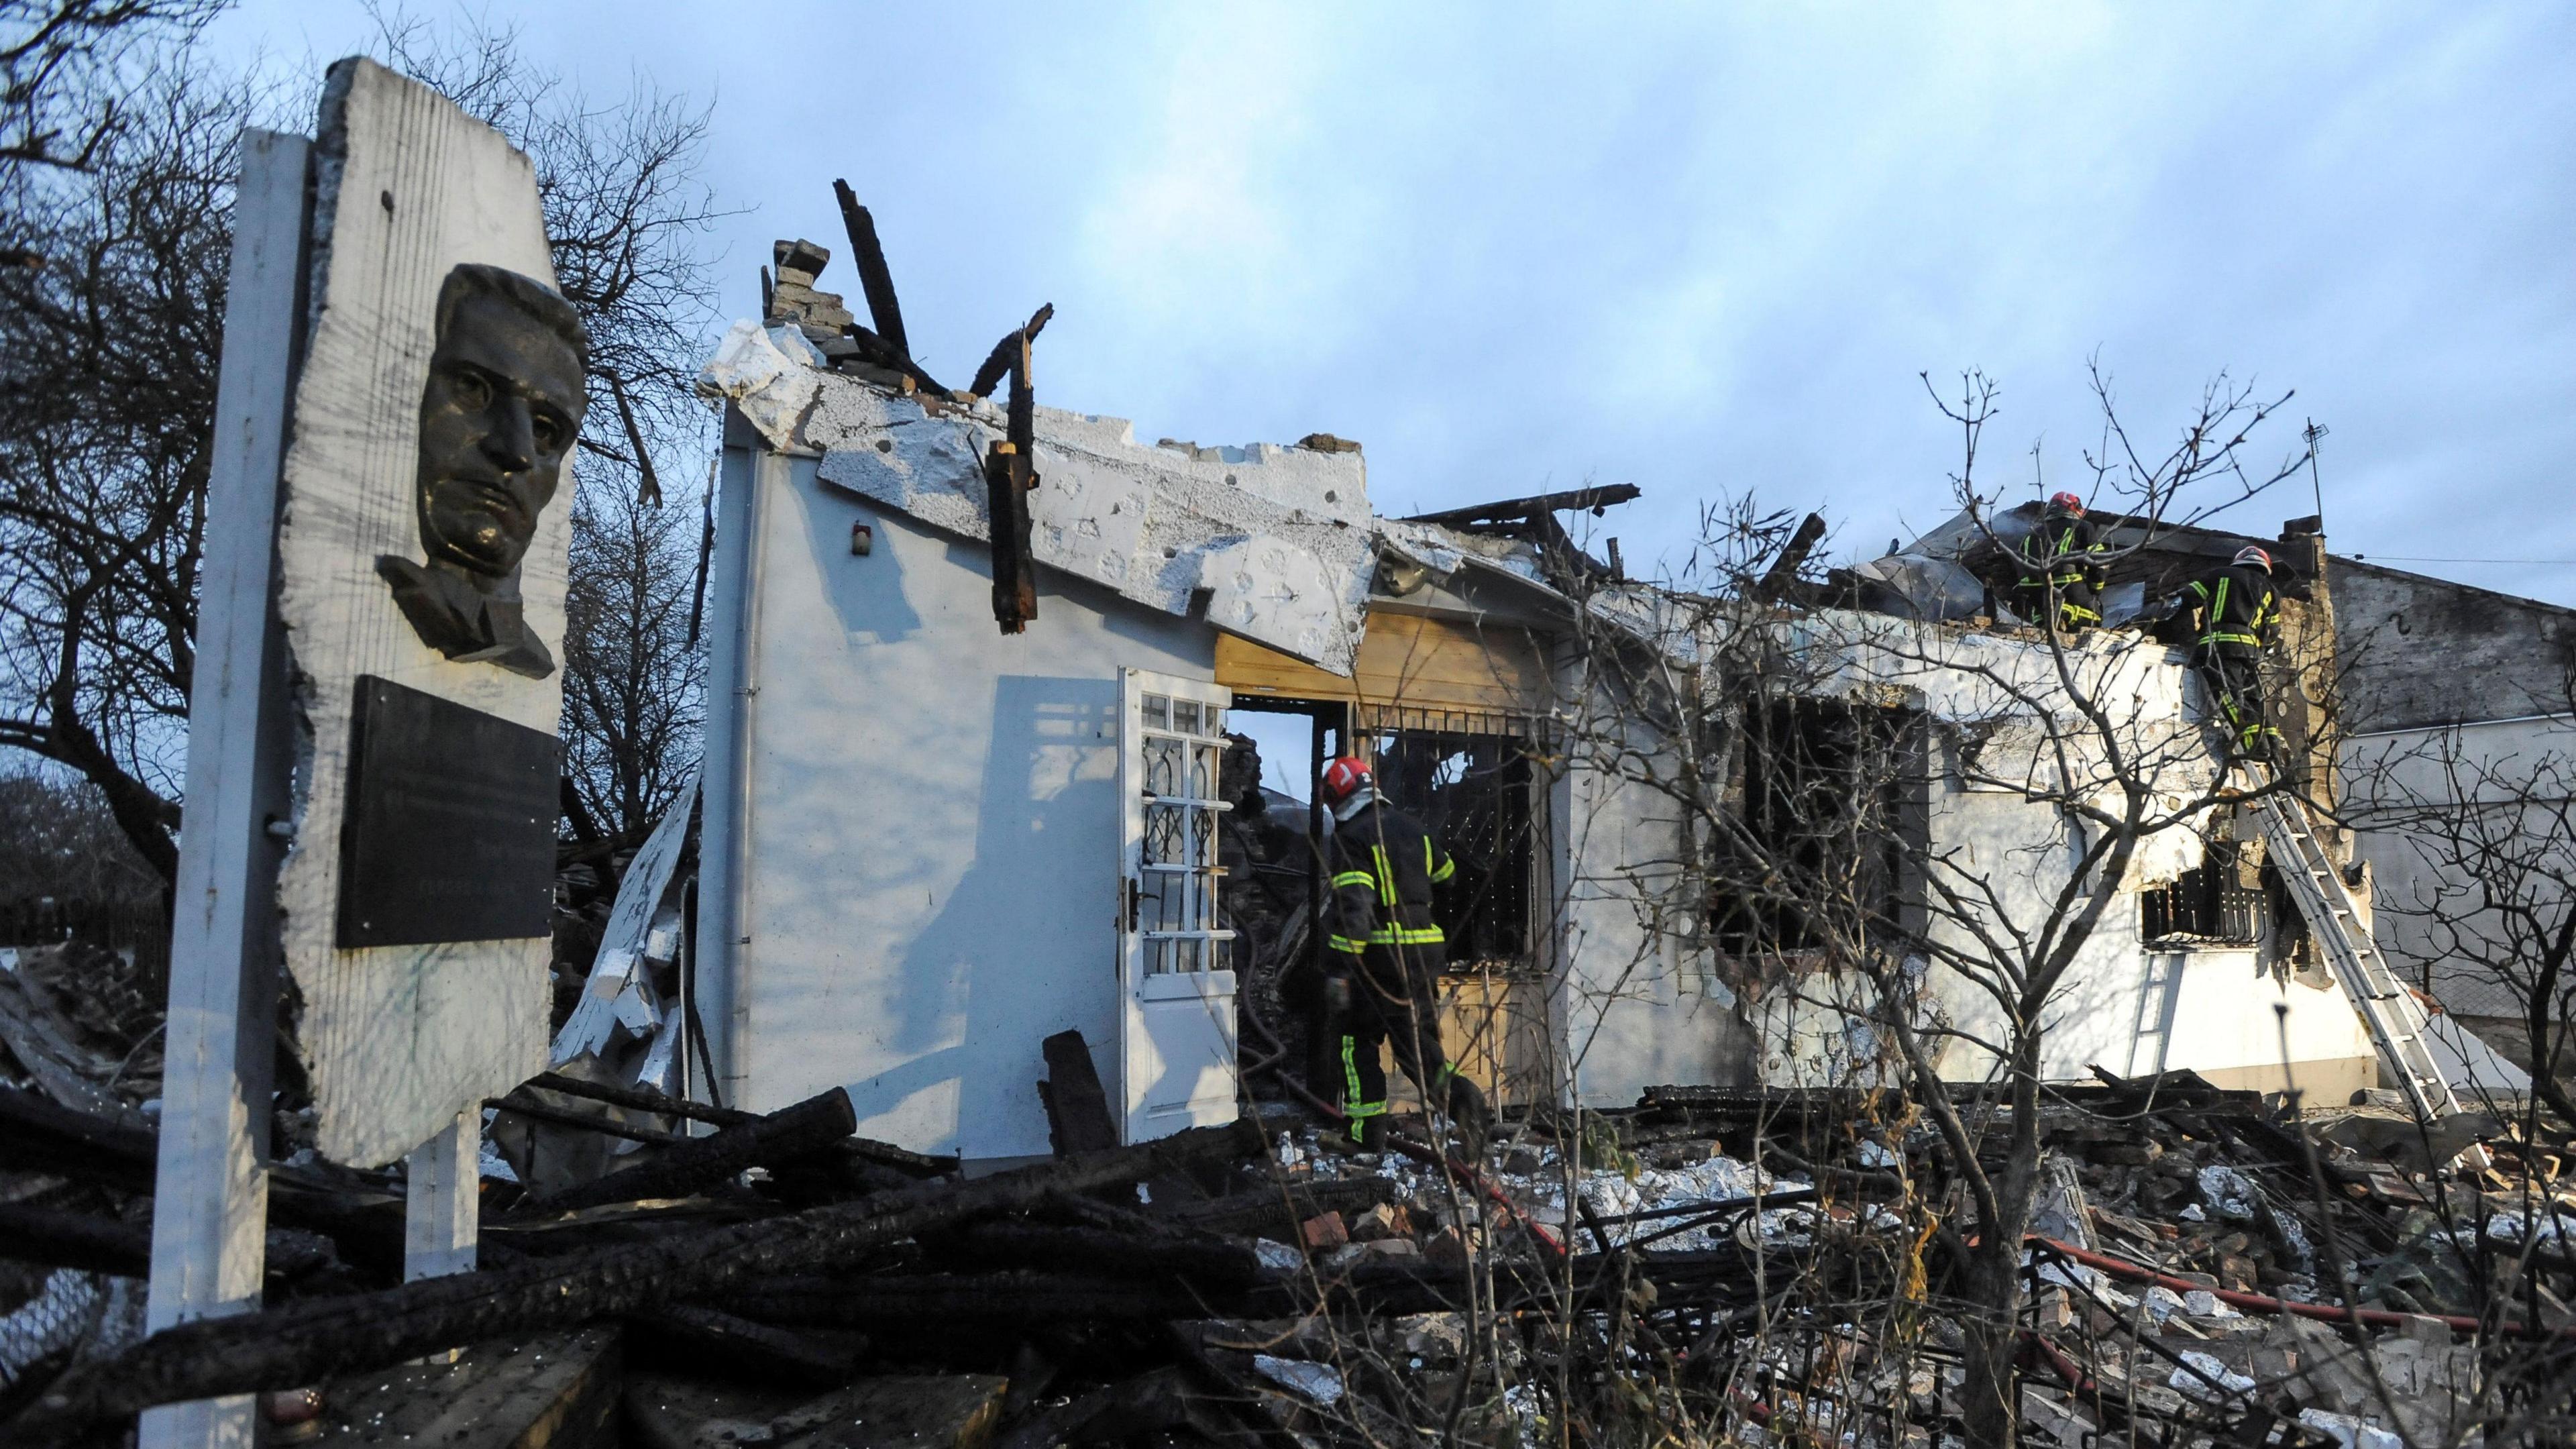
x=1468, y=1110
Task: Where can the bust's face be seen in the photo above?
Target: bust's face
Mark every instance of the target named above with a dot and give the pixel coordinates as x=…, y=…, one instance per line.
x=502, y=407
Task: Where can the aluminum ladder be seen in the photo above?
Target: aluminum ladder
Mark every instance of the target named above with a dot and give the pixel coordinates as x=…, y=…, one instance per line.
x=2396, y=1019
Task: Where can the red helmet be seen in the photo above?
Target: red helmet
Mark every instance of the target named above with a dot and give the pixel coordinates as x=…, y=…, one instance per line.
x=2067, y=501
x=1346, y=777
x=2255, y=556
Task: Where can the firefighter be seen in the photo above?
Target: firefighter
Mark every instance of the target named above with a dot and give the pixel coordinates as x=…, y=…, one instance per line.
x=1384, y=957
x=2062, y=576
x=2236, y=615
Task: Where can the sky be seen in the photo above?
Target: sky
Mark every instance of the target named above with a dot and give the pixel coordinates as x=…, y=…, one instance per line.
x=1709, y=250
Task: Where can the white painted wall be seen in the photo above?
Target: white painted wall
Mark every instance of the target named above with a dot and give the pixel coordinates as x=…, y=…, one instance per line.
x=910, y=856
x=2121, y=1005
x=1635, y=998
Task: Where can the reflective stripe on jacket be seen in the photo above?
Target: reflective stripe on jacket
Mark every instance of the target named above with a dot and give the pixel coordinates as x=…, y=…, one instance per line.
x=2238, y=609
x=1384, y=866
x=2064, y=552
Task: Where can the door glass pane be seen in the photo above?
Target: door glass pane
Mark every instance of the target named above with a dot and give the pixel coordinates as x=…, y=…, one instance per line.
x=1158, y=712
x=1185, y=716
x=1162, y=834
x=1162, y=767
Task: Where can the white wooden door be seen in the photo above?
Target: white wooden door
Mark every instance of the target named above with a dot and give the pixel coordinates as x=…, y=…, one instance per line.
x=1176, y=958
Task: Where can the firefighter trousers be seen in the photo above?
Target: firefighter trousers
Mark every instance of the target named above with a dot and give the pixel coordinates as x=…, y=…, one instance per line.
x=2078, y=607
x=1392, y=1000
x=2234, y=679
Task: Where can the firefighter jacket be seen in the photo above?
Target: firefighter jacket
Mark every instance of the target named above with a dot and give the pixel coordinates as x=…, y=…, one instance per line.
x=2239, y=614
x=2063, y=551
x=1384, y=866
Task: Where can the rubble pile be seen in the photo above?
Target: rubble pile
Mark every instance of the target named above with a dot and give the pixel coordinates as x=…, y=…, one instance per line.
x=1711, y=1266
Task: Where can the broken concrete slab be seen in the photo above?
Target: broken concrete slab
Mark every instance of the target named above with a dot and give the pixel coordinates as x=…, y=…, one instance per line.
x=1278, y=539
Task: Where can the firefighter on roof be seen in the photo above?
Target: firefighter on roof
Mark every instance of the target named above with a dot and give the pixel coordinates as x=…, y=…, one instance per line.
x=2236, y=616
x=2062, y=575
x=1384, y=958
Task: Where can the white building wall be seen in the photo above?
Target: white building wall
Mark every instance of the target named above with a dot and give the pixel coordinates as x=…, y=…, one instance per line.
x=932, y=807
x=2121, y=1005
x=1635, y=996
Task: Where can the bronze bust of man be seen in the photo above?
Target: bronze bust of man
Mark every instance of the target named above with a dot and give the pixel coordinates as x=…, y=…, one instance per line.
x=497, y=420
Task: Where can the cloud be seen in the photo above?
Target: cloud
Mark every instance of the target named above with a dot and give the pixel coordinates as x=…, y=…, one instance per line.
x=1704, y=248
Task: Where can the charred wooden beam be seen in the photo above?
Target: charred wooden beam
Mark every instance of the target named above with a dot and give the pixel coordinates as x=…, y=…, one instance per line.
x=537, y=1111
x=1784, y=569
x=1010, y=474
x=887, y=1300
x=1514, y=510
x=316, y=1339
x=868, y=255
x=1275, y=1212
x=693, y=1163
x=96, y=1243
x=641, y=1098
x=1077, y=1108
x=997, y=363
x=694, y=1339
x=41, y=1135
x=1167, y=1255
x=876, y=349
x=1131, y=1412
x=90, y=1242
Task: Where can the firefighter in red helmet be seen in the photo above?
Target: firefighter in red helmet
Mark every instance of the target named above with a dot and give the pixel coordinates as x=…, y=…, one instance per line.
x=1384, y=957
x=2062, y=575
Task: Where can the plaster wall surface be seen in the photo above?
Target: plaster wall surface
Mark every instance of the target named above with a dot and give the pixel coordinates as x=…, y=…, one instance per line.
x=2419, y=651
x=2386, y=774
x=915, y=880
x=2121, y=1005
x=1637, y=999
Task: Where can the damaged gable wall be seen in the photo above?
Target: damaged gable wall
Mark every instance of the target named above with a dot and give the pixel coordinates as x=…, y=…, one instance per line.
x=1278, y=541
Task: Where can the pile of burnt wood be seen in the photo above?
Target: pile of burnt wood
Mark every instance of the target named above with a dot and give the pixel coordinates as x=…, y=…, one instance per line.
x=772, y=1279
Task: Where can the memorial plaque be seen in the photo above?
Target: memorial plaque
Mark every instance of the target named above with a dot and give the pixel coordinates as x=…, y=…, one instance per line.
x=422, y=541
x=448, y=834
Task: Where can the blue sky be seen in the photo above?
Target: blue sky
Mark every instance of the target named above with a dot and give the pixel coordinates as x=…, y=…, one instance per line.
x=1703, y=249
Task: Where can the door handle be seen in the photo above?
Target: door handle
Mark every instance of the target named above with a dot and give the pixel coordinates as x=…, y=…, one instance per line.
x=1135, y=903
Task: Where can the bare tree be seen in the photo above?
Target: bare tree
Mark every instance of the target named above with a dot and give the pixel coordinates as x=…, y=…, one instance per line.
x=108, y=352
x=634, y=680
x=1799, y=749
x=2491, y=826
x=109, y=340
x=66, y=67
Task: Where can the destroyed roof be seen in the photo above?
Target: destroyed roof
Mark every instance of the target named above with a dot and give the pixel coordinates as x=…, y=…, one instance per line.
x=1278, y=539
